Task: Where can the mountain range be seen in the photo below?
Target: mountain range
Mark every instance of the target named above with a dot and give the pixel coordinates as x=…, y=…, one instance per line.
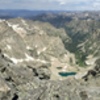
x=49, y=55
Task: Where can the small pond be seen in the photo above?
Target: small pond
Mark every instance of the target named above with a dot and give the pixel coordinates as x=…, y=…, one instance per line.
x=65, y=74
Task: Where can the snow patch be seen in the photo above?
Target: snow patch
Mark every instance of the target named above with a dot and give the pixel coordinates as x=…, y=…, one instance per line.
x=9, y=47
x=2, y=20
x=64, y=68
x=42, y=61
x=44, y=49
x=36, y=46
x=38, y=52
x=28, y=48
x=9, y=24
x=80, y=75
x=14, y=60
x=41, y=32
x=16, y=28
x=19, y=29
x=27, y=26
x=5, y=55
x=91, y=61
x=28, y=58
x=24, y=22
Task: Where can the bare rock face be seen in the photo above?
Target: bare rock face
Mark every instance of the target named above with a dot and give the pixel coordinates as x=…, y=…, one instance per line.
x=4, y=89
x=21, y=44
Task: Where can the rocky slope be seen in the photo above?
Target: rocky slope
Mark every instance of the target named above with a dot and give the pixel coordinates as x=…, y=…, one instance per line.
x=33, y=83
x=83, y=28
x=85, y=36
x=32, y=42
x=32, y=54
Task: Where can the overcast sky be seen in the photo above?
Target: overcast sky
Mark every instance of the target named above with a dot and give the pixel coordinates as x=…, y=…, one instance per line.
x=51, y=4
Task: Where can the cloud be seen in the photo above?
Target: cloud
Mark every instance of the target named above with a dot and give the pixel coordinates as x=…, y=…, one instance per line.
x=51, y=4
x=96, y=4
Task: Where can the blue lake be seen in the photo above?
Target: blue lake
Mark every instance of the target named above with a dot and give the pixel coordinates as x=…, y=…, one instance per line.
x=65, y=74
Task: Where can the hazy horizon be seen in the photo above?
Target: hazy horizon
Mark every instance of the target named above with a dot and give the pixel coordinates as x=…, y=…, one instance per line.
x=50, y=10
x=51, y=5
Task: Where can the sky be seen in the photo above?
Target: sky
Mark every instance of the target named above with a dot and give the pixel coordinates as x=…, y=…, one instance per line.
x=51, y=4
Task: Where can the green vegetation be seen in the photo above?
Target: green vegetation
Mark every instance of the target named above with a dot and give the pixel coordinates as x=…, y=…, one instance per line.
x=80, y=59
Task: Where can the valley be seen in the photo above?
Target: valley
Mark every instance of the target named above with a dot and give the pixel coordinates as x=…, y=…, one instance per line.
x=51, y=56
